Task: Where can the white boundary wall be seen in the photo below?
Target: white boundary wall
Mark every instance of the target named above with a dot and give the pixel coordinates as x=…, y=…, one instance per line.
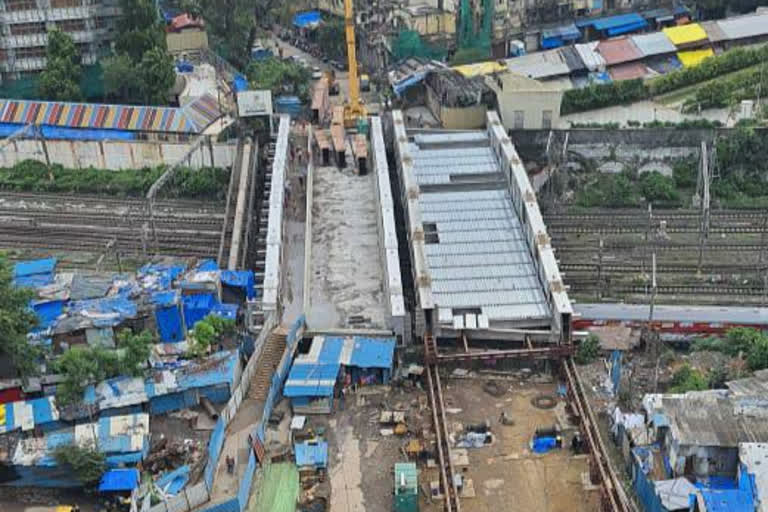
x=275, y=220
x=539, y=244
x=388, y=248
x=114, y=155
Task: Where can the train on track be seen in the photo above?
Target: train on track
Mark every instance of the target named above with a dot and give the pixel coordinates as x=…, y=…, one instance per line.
x=674, y=321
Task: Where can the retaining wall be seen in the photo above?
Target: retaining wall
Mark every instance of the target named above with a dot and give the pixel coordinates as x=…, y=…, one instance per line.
x=114, y=155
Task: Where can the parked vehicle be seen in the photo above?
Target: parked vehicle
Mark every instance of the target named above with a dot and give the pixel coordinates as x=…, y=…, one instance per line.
x=316, y=73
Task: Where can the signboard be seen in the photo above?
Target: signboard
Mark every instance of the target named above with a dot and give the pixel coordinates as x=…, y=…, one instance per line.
x=254, y=103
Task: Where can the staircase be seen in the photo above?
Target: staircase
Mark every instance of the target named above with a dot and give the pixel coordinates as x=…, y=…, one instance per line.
x=257, y=248
x=269, y=359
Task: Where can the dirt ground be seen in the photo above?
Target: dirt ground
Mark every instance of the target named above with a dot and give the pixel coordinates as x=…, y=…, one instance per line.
x=360, y=459
x=19, y=499
x=506, y=475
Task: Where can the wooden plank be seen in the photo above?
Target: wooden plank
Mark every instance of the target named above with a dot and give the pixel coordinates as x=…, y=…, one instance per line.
x=321, y=137
x=360, y=146
x=337, y=134
x=338, y=115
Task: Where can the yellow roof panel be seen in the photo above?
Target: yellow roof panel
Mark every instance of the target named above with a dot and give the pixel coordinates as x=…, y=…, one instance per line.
x=685, y=34
x=693, y=58
x=480, y=68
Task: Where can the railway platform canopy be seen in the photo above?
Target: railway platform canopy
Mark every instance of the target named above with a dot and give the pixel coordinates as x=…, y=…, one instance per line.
x=482, y=260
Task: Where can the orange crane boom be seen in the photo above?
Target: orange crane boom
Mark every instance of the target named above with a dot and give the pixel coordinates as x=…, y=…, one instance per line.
x=354, y=110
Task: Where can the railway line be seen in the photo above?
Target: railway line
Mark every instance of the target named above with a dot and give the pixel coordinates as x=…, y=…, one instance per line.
x=72, y=223
x=562, y=246
x=661, y=267
x=590, y=285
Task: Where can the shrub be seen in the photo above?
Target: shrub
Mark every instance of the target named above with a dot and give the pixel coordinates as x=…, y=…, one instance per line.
x=87, y=462
x=687, y=379
x=588, y=350
x=603, y=95
x=656, y=187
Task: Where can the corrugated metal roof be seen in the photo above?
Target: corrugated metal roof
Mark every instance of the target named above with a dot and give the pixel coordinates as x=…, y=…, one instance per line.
x=192, y=118
x=311, y=454
x=572, y=58
x=697, y=314
x=479, y=258
x=693, y=58
x=744, y=26
x=591, y=59
x=619, y=50
x=628, y=71
x=714, y=32
x=372, y=352
x=655, y=43
x=539, y=65
x=685, y=34
x=618, y=21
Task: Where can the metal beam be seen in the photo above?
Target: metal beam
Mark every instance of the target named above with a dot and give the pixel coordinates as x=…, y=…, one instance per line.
x=555, y=352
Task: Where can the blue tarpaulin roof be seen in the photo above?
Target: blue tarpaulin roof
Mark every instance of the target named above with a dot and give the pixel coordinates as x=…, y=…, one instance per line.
x=373, y=352
x=173, y=481
x=727, y=500
x=47, y=312
x=210, y=375
x=34, y=273
x=239, y=279
x=114, y=309
x=207, y=266
x=311, y=454
x=315, y=373
x=555, y=37
x=119, y=480
x=165, y=299
x=197, y=307
x=616, y=24
x=228, y=311
x=307, y=19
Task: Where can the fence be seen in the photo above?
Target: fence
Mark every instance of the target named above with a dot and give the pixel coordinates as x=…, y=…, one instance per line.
x=199, y=494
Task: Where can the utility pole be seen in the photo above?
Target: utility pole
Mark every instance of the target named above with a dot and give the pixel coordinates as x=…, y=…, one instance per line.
x=702, y=190
x=647, y=238
x=600, y=270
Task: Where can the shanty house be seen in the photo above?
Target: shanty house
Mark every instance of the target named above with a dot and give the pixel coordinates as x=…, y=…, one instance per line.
x=701, y=431
x=330, y=363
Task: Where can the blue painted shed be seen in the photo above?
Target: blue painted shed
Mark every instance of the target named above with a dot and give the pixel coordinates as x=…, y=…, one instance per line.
x=168, y=316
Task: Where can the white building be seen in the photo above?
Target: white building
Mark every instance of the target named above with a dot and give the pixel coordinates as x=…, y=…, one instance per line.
x=24, y=25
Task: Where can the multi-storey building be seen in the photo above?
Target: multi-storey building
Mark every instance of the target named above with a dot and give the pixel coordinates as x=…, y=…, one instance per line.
x=24, y=26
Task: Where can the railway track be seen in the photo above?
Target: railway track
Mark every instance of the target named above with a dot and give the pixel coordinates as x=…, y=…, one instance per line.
x=616, y=216
x=661, y=268
x=76, y=200
x=447, y=471
x=638, y=228
x=562, y=246
x=88, y=224
x=589, y=285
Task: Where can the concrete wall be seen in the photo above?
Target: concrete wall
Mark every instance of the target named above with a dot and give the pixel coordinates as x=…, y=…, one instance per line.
x=113, y=155
x=186, y=40
x=532, y=104
x=428, y=24
x=466, y=118
x=539, y=244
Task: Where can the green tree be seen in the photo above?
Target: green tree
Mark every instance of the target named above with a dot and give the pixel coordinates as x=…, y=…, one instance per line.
x=82, y=365
x=588, y=350
x=121, y=82
x=656, y=187
x=757, y=355
x=157, y=76
x=687, y=379
x=16, y=320
x=87, y=462
x=331, y=38
x=60, y=81
x=135, y=351
x=279, y=76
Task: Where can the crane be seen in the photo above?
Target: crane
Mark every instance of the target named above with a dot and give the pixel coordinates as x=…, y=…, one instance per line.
x=354, y=111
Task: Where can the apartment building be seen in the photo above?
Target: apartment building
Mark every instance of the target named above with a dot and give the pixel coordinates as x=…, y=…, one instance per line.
x=24, y=25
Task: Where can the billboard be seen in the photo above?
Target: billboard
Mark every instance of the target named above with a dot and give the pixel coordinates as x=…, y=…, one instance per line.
x=254, y=103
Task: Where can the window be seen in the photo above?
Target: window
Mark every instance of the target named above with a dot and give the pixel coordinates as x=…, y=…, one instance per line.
x=519, y=120
x=71, y=25
x=546, y=119
x=20, y=5
x=30, y=53
x=21, y=29
x=66, y=3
